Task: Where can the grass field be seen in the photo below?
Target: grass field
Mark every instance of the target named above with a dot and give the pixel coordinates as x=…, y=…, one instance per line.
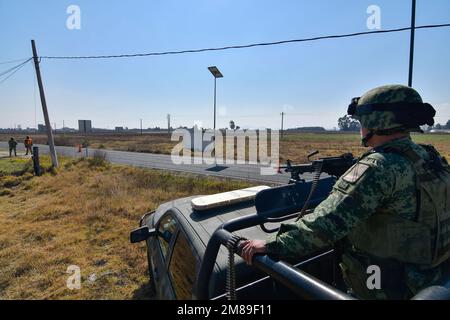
x=294, y=146
x=81, y=215
x=297, y=146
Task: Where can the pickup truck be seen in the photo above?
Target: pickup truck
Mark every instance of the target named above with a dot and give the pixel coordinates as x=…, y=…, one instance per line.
x=193, y=252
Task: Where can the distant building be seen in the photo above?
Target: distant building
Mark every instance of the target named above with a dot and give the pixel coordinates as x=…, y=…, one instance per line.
x=42, y=128
x=85, y=126
x=118, y=129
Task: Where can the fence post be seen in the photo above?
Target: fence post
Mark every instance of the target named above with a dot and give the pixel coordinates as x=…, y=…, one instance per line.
x=36, y=164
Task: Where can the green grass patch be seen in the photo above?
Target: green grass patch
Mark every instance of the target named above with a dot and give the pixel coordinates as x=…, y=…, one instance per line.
x=431, y=138
x=15, y=166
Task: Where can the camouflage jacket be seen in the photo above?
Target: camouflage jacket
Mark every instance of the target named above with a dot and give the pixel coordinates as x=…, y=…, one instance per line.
x=387, y=182
x=12, y=143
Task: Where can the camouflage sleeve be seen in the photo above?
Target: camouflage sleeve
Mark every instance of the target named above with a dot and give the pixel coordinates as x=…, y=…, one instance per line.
x=355, y=196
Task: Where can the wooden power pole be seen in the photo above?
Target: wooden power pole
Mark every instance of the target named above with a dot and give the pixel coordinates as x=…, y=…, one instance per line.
x=282, y=124
x=51, y=142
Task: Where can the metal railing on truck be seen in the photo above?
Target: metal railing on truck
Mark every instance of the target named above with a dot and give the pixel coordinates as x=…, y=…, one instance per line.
x=276, y=205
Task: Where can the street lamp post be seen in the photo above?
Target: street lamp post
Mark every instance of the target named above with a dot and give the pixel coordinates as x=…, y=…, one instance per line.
x=216, y=73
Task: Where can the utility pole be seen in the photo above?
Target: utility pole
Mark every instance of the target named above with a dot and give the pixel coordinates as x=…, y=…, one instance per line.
x=411, y=44
x=168, y=123
x=282, y=124
x=141, y=127
x=51, y=142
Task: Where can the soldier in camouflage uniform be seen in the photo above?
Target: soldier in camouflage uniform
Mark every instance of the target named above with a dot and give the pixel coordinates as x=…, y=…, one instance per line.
x=12, y=147
x=391, y=209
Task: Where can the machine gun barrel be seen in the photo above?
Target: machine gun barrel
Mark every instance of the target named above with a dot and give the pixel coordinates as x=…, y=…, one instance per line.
x=334, y=166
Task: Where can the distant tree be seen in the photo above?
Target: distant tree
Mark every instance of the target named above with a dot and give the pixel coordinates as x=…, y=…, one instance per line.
x=347, y=123
x=232, y=125
x=237, y=127
x=447, y=126
x=307, y=129
x=438, y=126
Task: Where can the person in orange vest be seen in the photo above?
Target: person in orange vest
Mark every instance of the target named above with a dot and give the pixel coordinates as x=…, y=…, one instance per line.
x=28, y=145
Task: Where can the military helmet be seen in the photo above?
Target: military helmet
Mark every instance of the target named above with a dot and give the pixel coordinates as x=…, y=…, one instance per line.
x=391, y=108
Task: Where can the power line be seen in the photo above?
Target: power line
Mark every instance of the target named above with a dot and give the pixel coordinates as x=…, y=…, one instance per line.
x=10, y=75
x=13, y=61
x=13, y=68
x=246, y=45
x=14, y=71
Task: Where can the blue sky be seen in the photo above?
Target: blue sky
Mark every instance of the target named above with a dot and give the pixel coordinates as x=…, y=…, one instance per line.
x=312, y=82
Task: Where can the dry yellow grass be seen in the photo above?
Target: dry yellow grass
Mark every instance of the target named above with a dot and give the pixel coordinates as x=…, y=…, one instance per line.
x=297, y=146
x=82, y=215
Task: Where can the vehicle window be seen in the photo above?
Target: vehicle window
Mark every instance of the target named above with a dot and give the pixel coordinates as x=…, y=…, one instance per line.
x=182, y=268
x=167, y=227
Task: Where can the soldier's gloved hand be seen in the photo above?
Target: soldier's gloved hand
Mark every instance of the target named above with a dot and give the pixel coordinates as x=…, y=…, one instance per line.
x=250, y=247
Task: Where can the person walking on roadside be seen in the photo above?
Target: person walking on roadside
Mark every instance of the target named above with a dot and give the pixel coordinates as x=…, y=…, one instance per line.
x=28, y=145
x=12, y=147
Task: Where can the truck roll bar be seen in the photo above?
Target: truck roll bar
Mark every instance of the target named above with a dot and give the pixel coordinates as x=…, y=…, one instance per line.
x=302, y=284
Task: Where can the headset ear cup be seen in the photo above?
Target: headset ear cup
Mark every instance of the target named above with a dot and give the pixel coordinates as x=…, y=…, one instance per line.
x=417, y=116
x=429, y=113
x=429, y=108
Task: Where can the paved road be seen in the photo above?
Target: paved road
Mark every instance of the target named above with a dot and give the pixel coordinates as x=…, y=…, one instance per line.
x=251, y=172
